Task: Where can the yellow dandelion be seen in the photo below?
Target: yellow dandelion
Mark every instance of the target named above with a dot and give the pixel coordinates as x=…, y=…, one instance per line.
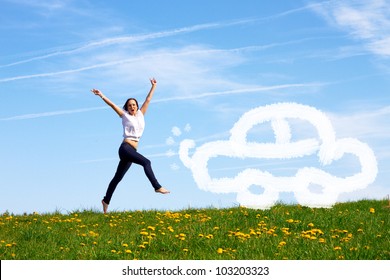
x=144, y=233
x=219, y=250
x=290, y=221
x=113, y=251
x=200, y=235
x=181, y=236
x=310, y=225
x=125, y=245
x=283, y=243
x=142, y=246
x=271, y=231
x=128, y=251
x=321, y=240
x=185, y=250
x=8, y=245
x=360, y=230
x=151, y=228
x=337, y=248
x=372, y=210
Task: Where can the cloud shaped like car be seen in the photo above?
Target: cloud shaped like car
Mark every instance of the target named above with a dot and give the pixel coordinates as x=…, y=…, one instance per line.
x=325, y=147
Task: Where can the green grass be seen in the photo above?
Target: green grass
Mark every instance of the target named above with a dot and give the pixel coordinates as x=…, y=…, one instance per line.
x=351, y=231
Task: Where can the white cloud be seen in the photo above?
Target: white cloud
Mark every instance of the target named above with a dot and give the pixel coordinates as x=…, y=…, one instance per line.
x=44, y=4
x=187, y=128
x=372, y=123
x=176, y=131
x=51, y=114
x=368, y=21
x=170, y=141
x=326, y=147
x=170, y=153
x=121, y=40
x=174, y=167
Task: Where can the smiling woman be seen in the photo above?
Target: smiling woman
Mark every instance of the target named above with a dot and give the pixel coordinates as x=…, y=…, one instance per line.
x=212, y=65
x=133, y=126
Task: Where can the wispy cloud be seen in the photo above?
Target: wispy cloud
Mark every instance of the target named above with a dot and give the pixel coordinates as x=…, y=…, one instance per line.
x=51, y=114
x=175, y=98
x=190, y=52
x=368, y=21
x=296, y=10
x=371, y=123
x=240, y=91
x=70, y=71
x=43, y=4
x=128, y=39
x=68, y=50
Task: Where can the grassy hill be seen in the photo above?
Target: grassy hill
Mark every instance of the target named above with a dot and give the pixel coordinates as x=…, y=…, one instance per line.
x=351, y=231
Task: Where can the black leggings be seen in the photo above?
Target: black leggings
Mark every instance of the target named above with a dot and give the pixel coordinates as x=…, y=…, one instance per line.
x=128, y=154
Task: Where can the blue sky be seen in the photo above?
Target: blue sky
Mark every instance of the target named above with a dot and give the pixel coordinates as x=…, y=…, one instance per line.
x=213, y=60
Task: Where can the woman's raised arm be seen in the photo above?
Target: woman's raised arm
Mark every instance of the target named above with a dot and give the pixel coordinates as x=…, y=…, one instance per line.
x=117, y=109
x=145, y=105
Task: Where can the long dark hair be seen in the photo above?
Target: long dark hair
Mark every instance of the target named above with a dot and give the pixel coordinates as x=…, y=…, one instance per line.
x=127, y=101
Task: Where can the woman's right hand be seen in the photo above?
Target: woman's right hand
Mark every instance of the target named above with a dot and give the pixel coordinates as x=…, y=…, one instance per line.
x=97, y=92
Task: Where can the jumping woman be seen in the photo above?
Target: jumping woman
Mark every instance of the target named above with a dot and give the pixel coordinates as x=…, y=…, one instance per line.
x=133, y=126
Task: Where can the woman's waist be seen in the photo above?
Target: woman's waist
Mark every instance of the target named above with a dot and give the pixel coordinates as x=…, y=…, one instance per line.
x=132, y=142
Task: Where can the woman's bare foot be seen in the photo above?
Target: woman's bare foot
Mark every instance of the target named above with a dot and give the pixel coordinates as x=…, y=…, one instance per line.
x=105, y=207
x=162, y=190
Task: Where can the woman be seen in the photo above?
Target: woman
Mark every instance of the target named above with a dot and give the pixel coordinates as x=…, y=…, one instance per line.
x=133, y=127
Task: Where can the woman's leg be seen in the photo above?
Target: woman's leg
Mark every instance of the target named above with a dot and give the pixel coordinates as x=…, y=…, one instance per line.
x=121, y=170
x=134, y=156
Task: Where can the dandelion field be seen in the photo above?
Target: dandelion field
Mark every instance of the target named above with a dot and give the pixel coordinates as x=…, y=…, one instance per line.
x=351, y=231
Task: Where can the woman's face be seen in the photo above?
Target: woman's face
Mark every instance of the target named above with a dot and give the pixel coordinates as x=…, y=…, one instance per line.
x=132, y=107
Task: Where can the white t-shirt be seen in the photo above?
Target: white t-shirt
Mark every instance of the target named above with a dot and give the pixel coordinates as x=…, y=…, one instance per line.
x=133, y=126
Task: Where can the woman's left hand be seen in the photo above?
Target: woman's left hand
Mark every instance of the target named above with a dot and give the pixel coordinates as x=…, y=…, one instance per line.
x=153, y=81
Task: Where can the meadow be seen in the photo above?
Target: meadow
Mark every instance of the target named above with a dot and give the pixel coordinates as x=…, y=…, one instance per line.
x=347, y=231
